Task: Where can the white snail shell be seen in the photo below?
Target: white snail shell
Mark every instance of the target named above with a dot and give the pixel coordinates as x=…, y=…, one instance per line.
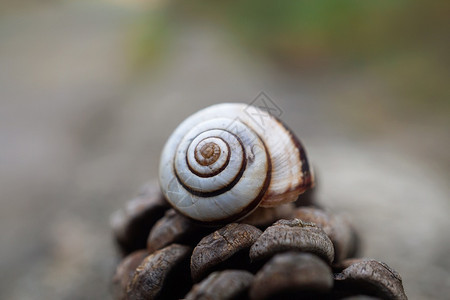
x=223, y=162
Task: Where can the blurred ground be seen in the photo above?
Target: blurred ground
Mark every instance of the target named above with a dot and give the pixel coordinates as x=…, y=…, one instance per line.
x=81, y=129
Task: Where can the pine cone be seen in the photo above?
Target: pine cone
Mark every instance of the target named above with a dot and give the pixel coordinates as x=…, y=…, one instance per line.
x=286, y=252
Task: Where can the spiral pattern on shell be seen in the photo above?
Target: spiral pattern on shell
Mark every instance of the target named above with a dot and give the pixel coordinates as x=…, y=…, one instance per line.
x=220, y=164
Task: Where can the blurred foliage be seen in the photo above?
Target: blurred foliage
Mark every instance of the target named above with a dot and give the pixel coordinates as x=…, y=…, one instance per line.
x=350, y=29
x=404, y=42
x=309, y=32
x=149, y=38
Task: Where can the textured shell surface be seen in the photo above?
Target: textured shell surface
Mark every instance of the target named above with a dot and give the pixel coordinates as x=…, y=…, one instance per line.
x=224, y=161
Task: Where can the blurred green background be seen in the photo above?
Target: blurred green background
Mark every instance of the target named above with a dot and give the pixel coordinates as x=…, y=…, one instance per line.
x=90, y=91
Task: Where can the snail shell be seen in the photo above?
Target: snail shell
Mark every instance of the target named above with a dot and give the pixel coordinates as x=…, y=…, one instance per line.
x=223, y=162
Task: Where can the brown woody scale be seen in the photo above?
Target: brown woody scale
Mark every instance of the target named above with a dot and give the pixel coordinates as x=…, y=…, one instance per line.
x=286, y=252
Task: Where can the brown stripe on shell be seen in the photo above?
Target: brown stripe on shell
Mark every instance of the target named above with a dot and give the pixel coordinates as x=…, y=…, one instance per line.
x=219, y=191
x=215, y=153
x=291, y=194
x=308, y=180
x=263, y=190
x=254, y=204
x=225, y=188
x=218, y=170
x=251, y=206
